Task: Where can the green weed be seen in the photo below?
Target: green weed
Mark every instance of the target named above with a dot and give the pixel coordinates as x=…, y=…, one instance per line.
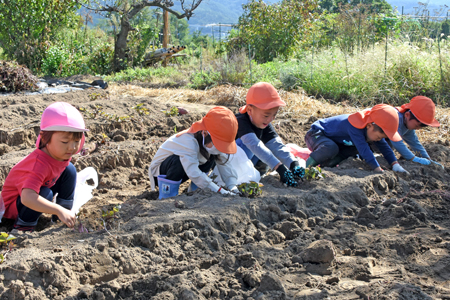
x=7, y=240
x=314, y=173
x=172, y=112
x=250, y=189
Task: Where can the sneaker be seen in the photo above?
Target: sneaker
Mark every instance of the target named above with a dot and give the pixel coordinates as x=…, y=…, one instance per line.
x=24, y=228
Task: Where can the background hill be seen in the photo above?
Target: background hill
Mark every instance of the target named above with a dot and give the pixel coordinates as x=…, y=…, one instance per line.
x=228, y=12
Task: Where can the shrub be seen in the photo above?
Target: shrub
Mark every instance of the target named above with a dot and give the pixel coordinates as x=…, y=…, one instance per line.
x=56, y=61
x=203, y=80
x=15, y=78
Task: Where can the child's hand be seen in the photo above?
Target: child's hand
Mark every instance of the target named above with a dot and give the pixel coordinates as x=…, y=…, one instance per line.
x=296, y=170
x=421, y=160
x=67, y=217
x=235, y=190
x=436, y=163
x=286, y=176
x=397, y=168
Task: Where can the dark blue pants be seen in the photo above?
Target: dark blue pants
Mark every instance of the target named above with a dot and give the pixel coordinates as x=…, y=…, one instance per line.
x=64, y=186
x=173, y=169
x=325, y=151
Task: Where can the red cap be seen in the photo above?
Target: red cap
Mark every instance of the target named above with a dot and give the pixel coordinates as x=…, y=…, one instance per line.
x=423, y=109
x=263, y=95
x=383, y=115
x=222, y=125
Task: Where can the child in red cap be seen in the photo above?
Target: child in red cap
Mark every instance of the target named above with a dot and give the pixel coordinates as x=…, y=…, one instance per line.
x=195, y=151
x=30, y=185
x=257, y=137
x=416, y=114
x=334, y=139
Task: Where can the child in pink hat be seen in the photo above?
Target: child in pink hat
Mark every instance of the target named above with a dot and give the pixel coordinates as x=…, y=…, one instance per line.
x=30, y=185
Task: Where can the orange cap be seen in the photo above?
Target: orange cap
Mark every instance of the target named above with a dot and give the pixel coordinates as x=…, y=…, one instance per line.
x=423, y=109
x=262, y=95
x=383, y=115
x=222, y=125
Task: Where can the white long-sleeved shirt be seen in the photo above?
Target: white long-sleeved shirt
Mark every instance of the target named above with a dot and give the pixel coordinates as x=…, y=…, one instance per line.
x=186, y=147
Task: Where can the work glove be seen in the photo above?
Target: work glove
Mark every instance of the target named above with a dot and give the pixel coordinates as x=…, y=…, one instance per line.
x=225, y=192
x=235, y=190
x=218, y=189
x=397, y=168
x=435, y=162
x=421, y=160
x=297, y=171
x=286, y=176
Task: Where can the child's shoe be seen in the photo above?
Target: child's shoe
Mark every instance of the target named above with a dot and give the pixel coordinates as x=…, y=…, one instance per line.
x=24, y=228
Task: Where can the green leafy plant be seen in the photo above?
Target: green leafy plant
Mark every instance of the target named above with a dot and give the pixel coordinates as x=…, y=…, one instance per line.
x=172, y=112
x=141, y=110
x=314, y=173
x=6, y=239
x=250, y=189
x=95, y=96
x=109, y=216
x=203, y=80
x=56, y=61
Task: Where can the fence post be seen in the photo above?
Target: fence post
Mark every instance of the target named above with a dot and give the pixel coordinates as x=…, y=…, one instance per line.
x=250, y=64
x=359, y=32
x=440, y=61
x=386, y=52
x=312, y=56
x=201, y=59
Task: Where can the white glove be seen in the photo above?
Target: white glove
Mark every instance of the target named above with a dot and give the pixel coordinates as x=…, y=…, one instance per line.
x=215, y=188
x=421, y=160
x=397, y=168
x=235, y=190
x=225, y=192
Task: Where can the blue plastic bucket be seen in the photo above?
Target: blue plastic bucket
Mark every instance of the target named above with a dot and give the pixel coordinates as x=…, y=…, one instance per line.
x=167, y=188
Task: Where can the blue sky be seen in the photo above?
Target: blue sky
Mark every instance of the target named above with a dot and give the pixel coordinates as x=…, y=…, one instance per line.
x=410, y=4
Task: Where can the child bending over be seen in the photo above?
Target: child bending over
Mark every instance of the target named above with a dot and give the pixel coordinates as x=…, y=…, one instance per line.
x=334, y=139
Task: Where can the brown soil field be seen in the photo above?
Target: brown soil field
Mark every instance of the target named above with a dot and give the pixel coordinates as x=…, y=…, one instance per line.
x=353, y=235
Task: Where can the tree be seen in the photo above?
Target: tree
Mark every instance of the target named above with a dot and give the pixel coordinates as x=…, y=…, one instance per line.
x=332, y=6
x=27, y=27
x=272, y=30
x=126, y=10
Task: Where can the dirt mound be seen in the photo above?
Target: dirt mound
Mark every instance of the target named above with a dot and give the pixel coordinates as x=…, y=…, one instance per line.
x=353, y=235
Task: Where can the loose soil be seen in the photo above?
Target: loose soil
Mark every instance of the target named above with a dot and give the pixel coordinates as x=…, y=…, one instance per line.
x=352, y=235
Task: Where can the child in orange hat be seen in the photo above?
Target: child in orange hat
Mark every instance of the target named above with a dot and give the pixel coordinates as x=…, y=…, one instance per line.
x=257, y=137
x=334, y=139
x=192, y=152
x=416, y=114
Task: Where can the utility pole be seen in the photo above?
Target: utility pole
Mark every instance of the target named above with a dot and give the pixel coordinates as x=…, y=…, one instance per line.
x=166, y=33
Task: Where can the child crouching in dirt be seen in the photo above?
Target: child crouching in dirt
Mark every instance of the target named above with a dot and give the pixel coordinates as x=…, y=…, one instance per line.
x=334, y=139
x=195, y=151
x=257, y=137
x=416, y=114
x=31, y=184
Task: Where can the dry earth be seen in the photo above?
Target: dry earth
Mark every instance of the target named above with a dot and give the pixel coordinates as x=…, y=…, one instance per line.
x=353, y=235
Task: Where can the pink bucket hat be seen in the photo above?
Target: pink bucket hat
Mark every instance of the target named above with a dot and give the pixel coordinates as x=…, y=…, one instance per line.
x=61, y=116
